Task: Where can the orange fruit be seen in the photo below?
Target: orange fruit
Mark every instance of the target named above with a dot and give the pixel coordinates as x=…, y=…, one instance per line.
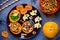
x=50, y=29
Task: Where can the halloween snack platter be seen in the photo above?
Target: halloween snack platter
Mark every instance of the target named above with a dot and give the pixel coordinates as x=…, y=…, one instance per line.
x=24, y=21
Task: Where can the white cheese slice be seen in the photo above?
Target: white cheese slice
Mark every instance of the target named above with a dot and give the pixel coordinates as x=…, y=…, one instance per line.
x=37, y=19
x=34, y=12
x=37, y=25
x=25, y=17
